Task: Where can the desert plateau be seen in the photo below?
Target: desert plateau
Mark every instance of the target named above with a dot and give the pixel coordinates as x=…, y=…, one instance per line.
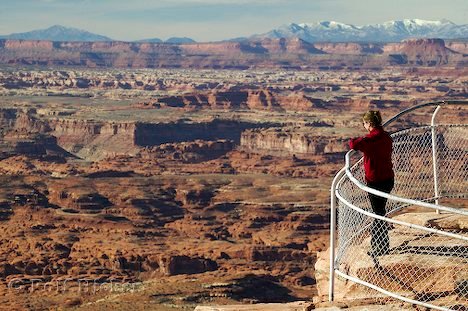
x=155, y=176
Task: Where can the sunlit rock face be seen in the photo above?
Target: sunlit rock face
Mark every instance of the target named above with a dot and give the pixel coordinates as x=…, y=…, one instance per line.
x=286, y=53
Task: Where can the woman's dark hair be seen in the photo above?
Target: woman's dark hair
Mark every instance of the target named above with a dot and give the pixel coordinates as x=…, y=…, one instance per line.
x=373, y=117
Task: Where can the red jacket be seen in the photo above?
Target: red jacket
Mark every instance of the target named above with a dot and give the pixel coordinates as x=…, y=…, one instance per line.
x=377, y=149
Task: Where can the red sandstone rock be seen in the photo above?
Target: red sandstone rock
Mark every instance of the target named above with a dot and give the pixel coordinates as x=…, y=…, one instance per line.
x=284, y=141
x=290, y=53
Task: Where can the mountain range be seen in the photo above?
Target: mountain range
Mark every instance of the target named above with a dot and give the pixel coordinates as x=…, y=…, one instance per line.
x=392, y=31
x=325, y=31
x=62, y=33
x=58, y=33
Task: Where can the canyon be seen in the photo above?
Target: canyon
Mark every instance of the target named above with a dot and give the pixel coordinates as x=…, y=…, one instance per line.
x=168, y=181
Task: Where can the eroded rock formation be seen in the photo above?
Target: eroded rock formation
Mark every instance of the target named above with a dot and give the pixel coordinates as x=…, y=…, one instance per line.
x=290, y=141
x=288, y=53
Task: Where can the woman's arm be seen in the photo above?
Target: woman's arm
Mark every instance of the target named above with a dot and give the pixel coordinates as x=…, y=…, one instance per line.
x=360, y=143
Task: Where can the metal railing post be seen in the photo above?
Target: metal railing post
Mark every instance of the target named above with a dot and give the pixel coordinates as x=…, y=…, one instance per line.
x=333, y=232
x=434, y=157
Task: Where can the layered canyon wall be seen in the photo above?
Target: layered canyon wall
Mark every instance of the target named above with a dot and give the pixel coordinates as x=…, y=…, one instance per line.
x=94, y=140
x=289, y=141
x=286, y=53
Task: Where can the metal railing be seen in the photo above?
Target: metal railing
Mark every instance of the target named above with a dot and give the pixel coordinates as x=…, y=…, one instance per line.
x=427, y=260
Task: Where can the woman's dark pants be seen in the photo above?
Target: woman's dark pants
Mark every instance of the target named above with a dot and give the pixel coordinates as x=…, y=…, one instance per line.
x=379, y=241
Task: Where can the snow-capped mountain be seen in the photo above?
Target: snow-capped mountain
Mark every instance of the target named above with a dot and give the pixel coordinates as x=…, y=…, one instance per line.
x=332, y=31
x=174, y=40
x=325, y=31
x=58, y=33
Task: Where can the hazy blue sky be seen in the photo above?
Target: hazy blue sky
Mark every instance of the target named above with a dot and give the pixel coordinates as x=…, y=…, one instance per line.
x=209, y=20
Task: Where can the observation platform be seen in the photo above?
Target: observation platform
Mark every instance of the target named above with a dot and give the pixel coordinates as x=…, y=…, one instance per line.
x=426, y=220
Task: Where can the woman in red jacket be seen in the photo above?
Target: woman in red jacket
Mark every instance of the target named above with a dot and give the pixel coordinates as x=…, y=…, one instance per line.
x=378, y=167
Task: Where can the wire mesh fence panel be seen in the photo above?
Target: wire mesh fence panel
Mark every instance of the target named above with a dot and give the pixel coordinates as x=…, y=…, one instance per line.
x=452, y=155
x=412, y=160
x=428, y=264
x=423, y=266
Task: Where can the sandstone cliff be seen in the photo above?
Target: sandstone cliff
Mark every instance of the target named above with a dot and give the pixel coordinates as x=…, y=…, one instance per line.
x=287, y=53
x=258, y=99
x=290, y=141
x=94, y=140
x=424, y=52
